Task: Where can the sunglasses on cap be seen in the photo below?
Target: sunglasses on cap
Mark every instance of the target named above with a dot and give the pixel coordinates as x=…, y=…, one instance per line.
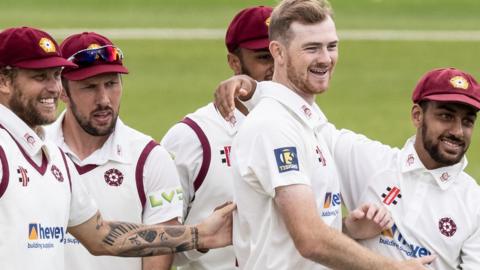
x=107, y=53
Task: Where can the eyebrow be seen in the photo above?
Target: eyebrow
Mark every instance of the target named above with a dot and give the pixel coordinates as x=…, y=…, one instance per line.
x=451, y=108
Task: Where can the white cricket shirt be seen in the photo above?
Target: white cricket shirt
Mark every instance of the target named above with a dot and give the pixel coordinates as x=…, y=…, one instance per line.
x=279, y=144
x=201, y=145
x=132, y=179
x=40, y=196
x=435, y=211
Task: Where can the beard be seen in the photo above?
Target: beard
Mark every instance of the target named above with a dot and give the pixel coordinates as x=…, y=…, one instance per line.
x=433, y=148
x=28, y=112
x=88, y=126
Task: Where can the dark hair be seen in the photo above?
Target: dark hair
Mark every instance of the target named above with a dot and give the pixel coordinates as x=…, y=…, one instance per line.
x=303, y=11
x=10, y=73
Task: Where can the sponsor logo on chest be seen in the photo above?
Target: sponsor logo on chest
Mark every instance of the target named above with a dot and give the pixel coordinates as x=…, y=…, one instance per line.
x=41, y=236
x=392, y=237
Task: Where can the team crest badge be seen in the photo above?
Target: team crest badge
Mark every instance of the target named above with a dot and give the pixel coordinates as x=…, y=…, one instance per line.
x=47, y=45
x=447, y=226
x=113, y=177
x=444, y=177
x=57, y=173
x=23, y=176
x=286, y=159
x=393, y=193
x=410, y=160
x=267, y=22
x=29, y=138
x=459, y=82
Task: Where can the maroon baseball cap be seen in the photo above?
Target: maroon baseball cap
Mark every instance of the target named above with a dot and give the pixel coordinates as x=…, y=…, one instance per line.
x=249, y=29
x=30, y=48
x=84, y=41
x=448, y=84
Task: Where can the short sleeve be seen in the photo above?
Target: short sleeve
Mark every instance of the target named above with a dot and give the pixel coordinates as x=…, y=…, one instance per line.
x=356, y=158
x=186, y=150
x=163, y=191
x=275, y=156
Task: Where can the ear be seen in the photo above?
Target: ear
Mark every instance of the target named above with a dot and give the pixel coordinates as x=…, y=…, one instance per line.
x=5, y=85
x=417, y=115
x=278, y=51
x=234, y=63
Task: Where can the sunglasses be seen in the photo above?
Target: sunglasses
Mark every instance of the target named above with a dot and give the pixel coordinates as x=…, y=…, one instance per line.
x=107, y=53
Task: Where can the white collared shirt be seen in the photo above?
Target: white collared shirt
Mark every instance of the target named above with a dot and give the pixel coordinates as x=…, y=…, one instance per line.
x=132, y=178
x=40, y=197
x=214, y=186
x=277, y=145
x=435, y=211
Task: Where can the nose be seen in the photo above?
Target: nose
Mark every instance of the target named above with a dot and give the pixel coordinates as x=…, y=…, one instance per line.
x=324, y=56
x=54, y=85
x=102, y=98
x=456, y=128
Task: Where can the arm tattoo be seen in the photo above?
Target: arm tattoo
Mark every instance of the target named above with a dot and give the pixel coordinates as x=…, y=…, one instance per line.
x=132, y=240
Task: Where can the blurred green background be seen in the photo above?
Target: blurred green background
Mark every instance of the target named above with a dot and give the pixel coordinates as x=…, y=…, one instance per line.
x=370, y=92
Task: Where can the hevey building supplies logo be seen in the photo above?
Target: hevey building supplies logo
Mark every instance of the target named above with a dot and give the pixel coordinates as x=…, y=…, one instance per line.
x=43, y=237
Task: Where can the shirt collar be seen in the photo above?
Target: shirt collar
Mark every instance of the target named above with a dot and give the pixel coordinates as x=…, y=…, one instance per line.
x=311, y=115
x=115, y=148
x=444, y=176
x=30, y=141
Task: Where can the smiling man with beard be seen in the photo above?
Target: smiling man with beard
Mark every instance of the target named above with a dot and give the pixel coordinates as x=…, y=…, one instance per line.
x=128, y=174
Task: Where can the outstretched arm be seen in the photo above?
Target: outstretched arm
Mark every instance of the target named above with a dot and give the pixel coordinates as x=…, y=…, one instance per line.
x=124, y=239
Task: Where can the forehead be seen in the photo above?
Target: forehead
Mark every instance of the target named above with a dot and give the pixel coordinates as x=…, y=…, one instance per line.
x=321, y=32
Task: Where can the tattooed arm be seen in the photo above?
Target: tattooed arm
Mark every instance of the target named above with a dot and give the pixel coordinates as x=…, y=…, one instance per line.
x=124, y=239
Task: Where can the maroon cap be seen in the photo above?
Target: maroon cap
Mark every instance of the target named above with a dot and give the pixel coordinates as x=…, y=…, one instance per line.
x=249, y=29
x=448, y=84
x=30, y=48
x=83, y=41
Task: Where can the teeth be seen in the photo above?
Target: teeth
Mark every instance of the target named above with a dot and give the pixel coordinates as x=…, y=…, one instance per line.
x=47, y=100
x=318, y=70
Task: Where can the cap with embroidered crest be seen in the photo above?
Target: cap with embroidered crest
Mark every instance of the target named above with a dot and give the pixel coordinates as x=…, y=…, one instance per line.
x=93, y=53
x=249, y=29
x=30, y=48
x=448, y=84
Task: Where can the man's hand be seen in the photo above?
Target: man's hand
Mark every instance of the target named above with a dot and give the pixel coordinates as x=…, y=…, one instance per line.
x=237, y=87
x=216, y=230
x=416, y=264
x=367, y=221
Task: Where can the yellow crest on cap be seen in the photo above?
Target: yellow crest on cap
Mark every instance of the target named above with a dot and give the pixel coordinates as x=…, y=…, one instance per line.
x=459, y=82
x=47, y=45
x=267, y=21
x=93, y=46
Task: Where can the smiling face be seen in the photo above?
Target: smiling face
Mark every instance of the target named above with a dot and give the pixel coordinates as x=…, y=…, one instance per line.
x=444, y=131
x=33, y=95
x=95, y=102
x=306, y=61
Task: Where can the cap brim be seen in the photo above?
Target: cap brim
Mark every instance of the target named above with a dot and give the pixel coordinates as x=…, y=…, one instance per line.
x=94, y=70
x=256, y=44
x=455, y=98
x=49, y=62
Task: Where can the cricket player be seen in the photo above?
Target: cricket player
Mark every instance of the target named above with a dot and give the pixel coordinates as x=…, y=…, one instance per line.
x=433, y=201
x=41, y=194
x=286, y=183
x=128, y=174
x=201, y=142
